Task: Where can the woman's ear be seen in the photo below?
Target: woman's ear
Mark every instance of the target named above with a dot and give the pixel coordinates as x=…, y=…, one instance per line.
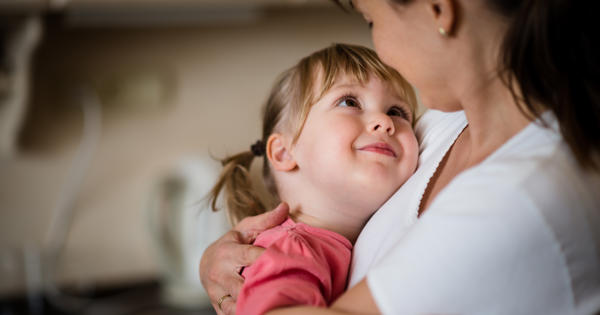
x=444, y=15
x=278, y=153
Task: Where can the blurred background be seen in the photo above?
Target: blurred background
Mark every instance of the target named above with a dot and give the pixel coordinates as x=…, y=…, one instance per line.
x=110, y=114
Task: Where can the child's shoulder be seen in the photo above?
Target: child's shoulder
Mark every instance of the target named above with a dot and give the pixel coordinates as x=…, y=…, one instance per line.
x=290, y=235
x=298, y=246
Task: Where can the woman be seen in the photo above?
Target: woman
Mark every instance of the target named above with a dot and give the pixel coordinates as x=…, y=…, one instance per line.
x=503, y=213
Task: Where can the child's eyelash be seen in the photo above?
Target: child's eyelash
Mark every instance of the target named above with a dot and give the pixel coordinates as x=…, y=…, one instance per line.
x=347, y=97
x=405, y=113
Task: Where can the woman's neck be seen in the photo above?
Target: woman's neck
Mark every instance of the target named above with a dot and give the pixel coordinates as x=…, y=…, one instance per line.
x=488, y=103
x=493, y=118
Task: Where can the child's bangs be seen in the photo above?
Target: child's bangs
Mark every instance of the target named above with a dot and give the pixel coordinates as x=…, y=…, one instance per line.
x=360, y=63
x=316, y=74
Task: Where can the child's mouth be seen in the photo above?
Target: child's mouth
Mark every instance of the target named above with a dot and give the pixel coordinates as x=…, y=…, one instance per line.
x=379, y=147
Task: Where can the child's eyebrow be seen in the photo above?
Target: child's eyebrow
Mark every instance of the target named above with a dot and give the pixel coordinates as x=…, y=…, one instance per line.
x=345, y=86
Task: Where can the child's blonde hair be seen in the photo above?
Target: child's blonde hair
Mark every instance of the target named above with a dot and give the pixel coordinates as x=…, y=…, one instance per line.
x=287, y=107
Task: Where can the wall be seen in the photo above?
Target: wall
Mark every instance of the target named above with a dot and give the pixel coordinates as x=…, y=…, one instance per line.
x=168, y=93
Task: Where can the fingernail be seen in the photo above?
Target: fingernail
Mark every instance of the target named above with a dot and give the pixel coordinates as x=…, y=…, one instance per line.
x=281, y=206
x=249, y=235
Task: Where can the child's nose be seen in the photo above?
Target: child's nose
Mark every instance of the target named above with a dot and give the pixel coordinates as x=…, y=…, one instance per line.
x=382, y=123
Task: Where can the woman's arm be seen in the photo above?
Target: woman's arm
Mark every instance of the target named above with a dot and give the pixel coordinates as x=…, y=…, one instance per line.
x=222, y=260
x=357, y=300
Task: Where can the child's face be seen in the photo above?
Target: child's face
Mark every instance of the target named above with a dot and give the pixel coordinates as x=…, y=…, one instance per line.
x=358, y=143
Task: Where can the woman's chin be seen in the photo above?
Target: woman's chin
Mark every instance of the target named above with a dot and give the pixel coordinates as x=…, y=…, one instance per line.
x=441, y=103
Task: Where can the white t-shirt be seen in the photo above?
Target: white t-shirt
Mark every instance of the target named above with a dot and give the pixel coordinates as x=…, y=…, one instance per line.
x=517, y=234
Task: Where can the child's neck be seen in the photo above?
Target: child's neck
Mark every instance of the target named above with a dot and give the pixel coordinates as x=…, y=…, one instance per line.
x=346, y=227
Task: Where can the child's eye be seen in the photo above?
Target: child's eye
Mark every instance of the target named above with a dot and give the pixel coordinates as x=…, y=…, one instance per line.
x=370, y=25
x=398, y=111
x=348, y=101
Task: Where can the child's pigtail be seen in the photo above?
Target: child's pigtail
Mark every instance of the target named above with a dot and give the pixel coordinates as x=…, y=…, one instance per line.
x=240, y=195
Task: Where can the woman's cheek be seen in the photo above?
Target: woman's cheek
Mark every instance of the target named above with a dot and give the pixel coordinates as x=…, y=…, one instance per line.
x=380, y=45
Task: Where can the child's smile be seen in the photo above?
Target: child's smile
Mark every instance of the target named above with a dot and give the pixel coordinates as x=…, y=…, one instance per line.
x=379, y=148
x=357, y=145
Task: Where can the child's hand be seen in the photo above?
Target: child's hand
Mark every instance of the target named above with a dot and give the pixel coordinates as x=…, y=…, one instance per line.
x=223, y=260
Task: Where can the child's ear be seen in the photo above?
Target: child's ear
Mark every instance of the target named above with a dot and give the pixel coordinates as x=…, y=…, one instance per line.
x=278, y=153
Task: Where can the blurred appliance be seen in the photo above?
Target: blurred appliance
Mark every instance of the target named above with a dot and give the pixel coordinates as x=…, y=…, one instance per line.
x=182, y=226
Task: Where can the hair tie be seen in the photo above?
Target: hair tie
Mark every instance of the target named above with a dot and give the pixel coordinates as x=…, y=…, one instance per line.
x=258, y=148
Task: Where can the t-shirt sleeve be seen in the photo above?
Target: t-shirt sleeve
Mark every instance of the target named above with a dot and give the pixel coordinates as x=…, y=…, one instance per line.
x=474, y=252
x=289, y=272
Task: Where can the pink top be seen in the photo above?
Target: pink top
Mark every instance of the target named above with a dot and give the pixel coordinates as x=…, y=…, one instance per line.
x=302, y=265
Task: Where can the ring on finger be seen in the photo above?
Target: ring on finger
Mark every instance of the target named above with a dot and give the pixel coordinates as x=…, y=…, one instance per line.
x=220, y=301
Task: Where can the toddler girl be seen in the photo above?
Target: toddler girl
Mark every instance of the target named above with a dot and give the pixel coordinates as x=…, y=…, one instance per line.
x=337, y=142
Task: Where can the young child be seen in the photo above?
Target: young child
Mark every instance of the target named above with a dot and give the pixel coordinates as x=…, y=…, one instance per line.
x=337, y=142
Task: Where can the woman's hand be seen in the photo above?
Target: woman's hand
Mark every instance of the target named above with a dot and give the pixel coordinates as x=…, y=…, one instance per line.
x=223, y=260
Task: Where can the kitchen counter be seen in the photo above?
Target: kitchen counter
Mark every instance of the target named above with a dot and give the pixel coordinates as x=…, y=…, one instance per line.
x=130, y=299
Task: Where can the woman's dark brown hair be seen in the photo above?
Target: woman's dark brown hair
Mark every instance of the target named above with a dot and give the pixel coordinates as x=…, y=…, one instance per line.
x=551, y=62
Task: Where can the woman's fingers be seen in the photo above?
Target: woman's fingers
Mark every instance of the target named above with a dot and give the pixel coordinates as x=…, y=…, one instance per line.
x=222, y=263
x=217, y=270
x=245, y=255
x=250, y=227
x=223, y=260
x=228, y=306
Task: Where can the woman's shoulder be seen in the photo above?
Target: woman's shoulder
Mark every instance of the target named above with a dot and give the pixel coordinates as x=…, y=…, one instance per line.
x=533, y=171
x=533, y=200
x=535, y=166
x=528, y=246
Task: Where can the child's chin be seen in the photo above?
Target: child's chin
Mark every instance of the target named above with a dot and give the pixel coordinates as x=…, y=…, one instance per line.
x=376, y=194
x=381, y=174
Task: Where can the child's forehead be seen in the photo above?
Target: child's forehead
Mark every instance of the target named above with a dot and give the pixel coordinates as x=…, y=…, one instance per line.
x=349, y=79
x=344, y=80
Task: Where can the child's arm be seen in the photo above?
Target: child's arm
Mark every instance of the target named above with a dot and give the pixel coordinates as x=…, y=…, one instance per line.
x=291, y=271
x=292, y=287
